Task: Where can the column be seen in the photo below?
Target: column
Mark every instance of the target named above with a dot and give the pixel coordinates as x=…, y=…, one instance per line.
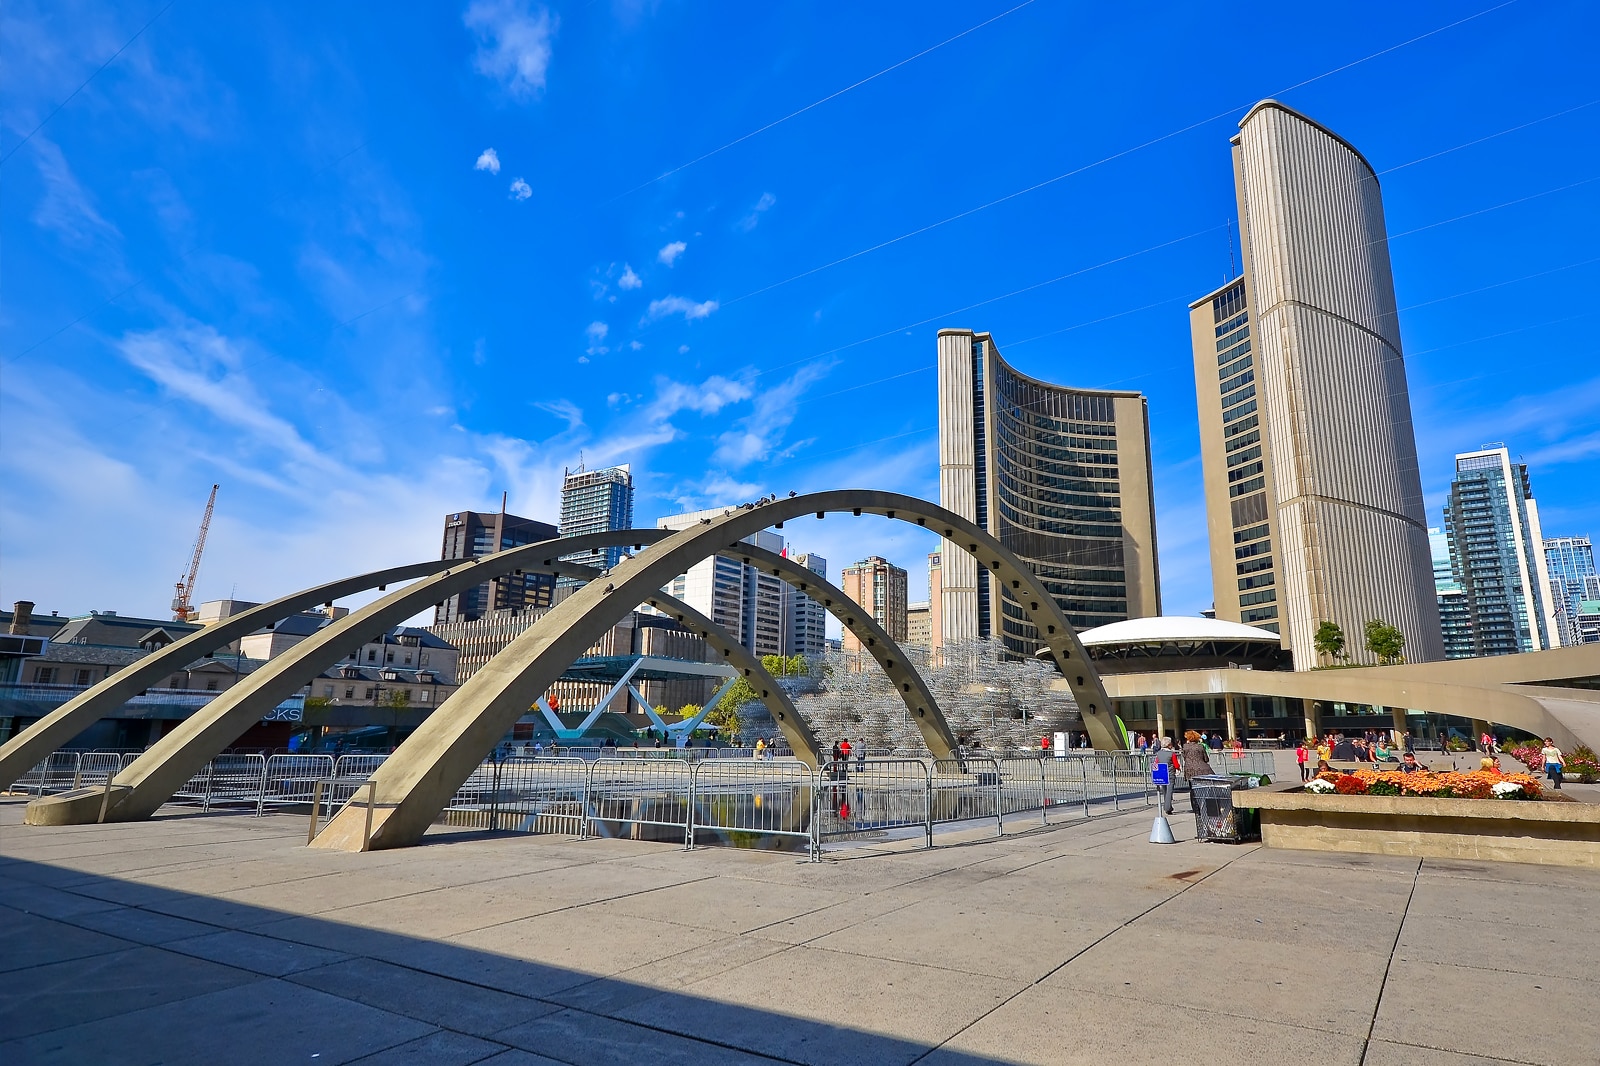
x=1232, y=718
x=1161, y=720
x=1313, y=726
x=1400, y=727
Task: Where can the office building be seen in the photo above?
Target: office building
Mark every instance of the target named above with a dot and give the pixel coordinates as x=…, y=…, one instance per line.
x=472, y=534
x=595, y=501
x=1586, y=623
x=744, y=600
x=804, y=619
x=879, y=588
x=919, y=624
x=1570, y=564
x=1497, y=553
x=1060, y=476
x=1313, y=498
x=1455, y=619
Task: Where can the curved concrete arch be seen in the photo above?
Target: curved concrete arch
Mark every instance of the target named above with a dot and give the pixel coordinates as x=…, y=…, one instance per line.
x=28, y=748
x=150, y=780
x=908, y=684
x=420, y=777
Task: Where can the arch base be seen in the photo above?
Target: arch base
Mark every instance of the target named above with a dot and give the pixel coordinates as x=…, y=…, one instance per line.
x=80, y=806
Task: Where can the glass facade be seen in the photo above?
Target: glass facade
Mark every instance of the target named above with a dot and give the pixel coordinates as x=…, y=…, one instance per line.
x=1056, y=491
x=1491, y=522
x=1573, y=581
x=595, y=501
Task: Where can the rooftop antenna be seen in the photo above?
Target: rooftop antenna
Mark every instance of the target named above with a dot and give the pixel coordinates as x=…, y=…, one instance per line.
x=503, y=496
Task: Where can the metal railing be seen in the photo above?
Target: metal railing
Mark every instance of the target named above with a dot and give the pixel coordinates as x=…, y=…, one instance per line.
x=640, y=798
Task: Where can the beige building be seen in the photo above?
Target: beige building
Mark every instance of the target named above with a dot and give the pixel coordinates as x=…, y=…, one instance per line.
x=919, y=624
x=1061, y=476
x=1313, y=499
x=879, y=587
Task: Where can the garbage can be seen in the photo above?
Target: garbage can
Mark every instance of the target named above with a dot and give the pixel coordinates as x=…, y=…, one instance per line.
x=1215, y=816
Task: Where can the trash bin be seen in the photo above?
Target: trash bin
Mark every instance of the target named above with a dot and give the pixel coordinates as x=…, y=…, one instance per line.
x=1215, y=816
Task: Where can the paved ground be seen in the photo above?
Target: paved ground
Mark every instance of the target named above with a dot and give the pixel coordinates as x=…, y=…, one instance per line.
x=221, y=939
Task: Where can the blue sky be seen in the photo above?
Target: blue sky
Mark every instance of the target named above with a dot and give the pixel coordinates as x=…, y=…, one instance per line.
x=364, y=264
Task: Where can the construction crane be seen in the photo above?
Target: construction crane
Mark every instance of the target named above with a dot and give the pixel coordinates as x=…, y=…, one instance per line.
x=182, y=611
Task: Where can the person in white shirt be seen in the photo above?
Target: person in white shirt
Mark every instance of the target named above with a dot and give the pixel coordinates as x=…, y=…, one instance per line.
x=1554, y=762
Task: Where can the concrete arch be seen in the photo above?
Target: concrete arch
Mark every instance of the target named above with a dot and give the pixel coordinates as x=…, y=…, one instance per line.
x=28, y=748
x=418, y=779
x=908, y=684
x=151, y=779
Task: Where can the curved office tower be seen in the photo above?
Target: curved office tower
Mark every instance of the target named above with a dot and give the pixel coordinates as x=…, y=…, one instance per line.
x=1061, y=476
x=1313, y=495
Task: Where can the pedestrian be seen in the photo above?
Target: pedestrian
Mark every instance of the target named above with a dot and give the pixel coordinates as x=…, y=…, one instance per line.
x=1195, y=760
x=761, y=748
x=1302, y=756
x=1554, y=762
x=1044, y=747
x=1163, y=772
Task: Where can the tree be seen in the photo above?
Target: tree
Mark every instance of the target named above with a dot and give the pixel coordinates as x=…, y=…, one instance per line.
x=1329, y=640
x=1386, y=642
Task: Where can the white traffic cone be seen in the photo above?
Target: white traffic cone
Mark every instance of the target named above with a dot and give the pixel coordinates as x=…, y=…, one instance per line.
x=1161, y=831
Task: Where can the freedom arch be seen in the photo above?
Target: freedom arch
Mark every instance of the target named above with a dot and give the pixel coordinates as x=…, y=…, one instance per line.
x=425, y=771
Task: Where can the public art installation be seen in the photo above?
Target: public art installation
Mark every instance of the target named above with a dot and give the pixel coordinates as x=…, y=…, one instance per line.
x=424, y=772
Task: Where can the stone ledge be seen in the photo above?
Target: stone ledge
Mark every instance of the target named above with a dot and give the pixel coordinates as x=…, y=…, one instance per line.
x=1294, y=797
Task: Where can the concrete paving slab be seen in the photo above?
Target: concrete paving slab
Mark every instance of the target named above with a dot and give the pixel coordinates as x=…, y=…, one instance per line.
x=139, y=926
x=1041, y=1027
x=439, y=912
x=1386, y=1053
x=590, y=941
x=594, y=1040
x=727, y=905
x=609, y=995
x=60, y=994
x=437, y=1049
x=1200, y=971
x=30, y=940
x=1523, y=948
x=258, y=954
x=865, y=1011
x=1422, y=1004
x=318, y=895
x=441, y=1001
x=265, y=1023
x=47, y=902
x=1494, y=902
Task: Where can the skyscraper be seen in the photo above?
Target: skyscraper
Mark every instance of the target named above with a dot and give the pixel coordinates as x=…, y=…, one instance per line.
x=471, y=534
x=879, y=588
x=1061, y=476
x=1455, y=619
x=1497, y=553
x=744, y=600
x=594, y=501
x=804, y=619
x=1570, y=563
x=1313, y=498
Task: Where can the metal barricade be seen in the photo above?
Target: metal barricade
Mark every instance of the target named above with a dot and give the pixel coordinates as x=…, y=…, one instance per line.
x=966, y=788
x=640, y=799
x=235, y=780
x=1130, y=774
x=95, y=767
x=57, y=772
x=740, y=801
x=1021, y=785
x=1066, y=784
x=472, y=806
x=540, y=795
x=290, y=780
x=1231, y=761
x=857, y=798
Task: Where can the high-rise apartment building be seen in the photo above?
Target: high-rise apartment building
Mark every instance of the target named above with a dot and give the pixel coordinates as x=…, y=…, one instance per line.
x=1497, y=553
x=879, y=588
x=1060, y=476
x=744, y=600
x=804, y=619
x=1455, y=619
x=471, y=534
x=595, y=501
x=1313, y=497
x=1570, y=563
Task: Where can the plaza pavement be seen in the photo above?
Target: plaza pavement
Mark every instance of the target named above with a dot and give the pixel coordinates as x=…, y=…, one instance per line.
x=220, y=938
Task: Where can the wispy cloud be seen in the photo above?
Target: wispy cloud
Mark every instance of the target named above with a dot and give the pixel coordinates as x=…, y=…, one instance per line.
x=750, y=221
x=488, y=160
x=669, y=254
x=513, y=44
x=596, y=332
x=759, y=434
x=705, y=398
x=66, y=208
x=520, y=190
x=677, y=305
x=629, y=279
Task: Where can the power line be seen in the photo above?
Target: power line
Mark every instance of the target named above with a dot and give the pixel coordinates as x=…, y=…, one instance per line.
x=819, y=103
x=86, y=81
x=1496, y=207
x=1490, y=137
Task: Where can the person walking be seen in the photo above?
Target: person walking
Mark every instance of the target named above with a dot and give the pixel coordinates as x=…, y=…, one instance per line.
x=1554, y=762
x=1196, y=761
x=1302, y=756
x=761, y=747
x=1164, y=771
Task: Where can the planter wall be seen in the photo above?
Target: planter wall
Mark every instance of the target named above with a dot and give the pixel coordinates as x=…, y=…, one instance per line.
x=1552, y=834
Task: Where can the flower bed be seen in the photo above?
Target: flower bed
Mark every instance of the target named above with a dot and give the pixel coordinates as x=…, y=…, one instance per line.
x=1582, y=763
x=1451, y=784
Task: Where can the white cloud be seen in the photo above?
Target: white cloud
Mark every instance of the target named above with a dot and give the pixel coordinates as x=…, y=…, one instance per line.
x=596, y=332
x=636, y=346
x=759, y=434
x=489, y=160
x=670, y=253
x=678, y=305
x=629, y=279
x=513, y=44
x=706, y=398
x=748, y=222
x=683, y=349
x=66, y=207
x=520, y=190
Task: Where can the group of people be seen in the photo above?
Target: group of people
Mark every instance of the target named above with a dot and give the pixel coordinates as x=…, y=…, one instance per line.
x=1192, y=760
x=766, y=749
